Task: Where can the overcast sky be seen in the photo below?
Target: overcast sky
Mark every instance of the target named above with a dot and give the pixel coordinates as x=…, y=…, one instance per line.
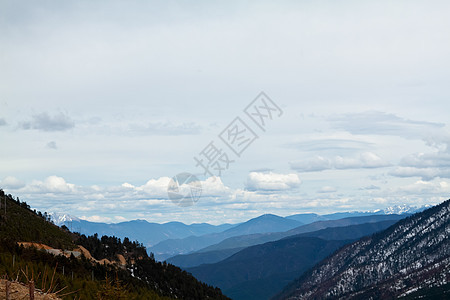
x=102, y=102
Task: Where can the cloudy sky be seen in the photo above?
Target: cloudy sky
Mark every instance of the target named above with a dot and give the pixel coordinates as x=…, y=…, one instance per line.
x=102, y=102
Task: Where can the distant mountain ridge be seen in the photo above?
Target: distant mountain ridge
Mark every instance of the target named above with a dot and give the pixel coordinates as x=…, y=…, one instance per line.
x=411, y=257
x=172, y=247
x=229, y=246
x=259, y=238
x=173, y=238
x=396, y=209
x=147, y=233
x=261, y=271
x=265, y=223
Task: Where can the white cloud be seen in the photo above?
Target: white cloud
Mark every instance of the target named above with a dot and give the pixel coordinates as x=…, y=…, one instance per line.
x=439, y=140
x=127, y=185
x=317, y=163
x=272, y=181
x=427, y=187
x=55, y=184
x=370, y=187
x=10, y=182
x=327, y=189
x=165, y=128
x=381, y=123
x=87, y=206
x=120, y=218
x=424, y=165
x=213, y=186
x=424, y=173
x=380, y=200
x=95, y=218
x=158, y=188
x=52, y=184
x=366, y=160
x=271, y=192
x=427, y=160
x=153, y=192
x=327, y=144
x=371, y=160
x=154, y=187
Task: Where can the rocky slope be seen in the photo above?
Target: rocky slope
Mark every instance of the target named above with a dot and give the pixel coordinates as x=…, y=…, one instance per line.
x=410, y=256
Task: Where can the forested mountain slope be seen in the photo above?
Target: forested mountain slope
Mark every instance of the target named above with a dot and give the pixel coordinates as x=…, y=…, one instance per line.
x=412, y=255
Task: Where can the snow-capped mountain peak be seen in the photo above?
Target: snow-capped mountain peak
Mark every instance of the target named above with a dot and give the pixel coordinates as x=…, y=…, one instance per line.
x=62, y=219
x=403, y=209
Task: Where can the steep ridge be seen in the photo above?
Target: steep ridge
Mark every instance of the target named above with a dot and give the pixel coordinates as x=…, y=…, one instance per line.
x=408, y=257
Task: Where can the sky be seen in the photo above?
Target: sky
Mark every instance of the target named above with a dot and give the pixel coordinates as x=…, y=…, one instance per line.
x=102, y=103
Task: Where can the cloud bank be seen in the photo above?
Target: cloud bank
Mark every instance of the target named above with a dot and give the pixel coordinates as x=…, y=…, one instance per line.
x=45, y=122
x=366, y=160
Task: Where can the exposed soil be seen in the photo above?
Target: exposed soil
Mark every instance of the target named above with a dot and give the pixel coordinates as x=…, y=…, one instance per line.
x=19, y=290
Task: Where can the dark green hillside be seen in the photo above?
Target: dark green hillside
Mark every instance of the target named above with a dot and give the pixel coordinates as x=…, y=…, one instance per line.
x=141, y=278
x=19, y=263
x=23, y=225
x=110, y=246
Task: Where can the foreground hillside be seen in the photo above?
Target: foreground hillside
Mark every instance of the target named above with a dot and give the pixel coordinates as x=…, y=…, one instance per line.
x=409, y=259
x=125, y=271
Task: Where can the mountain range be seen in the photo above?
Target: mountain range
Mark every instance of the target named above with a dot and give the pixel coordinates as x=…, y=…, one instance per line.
x=174, y=238
x=262, y=224
x=240, y=236
x=349, y=255
x=261, y=271
x=147, y=233
x=229, y=246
